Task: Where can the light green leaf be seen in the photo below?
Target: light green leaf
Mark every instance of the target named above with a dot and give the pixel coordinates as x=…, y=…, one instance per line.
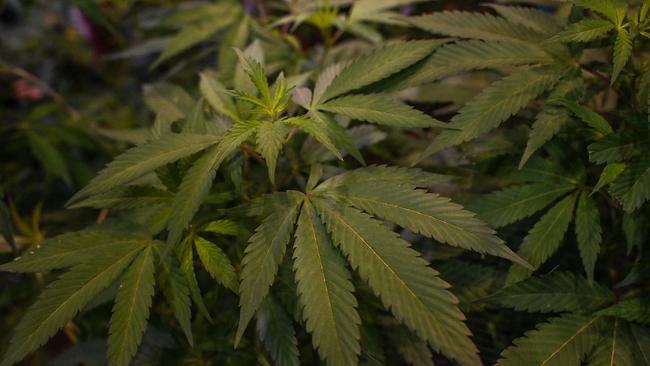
x=614, y=10
x=536, y=19
x=427, y=214
x=216, y=94
x=62, y=300
x=585, y=30
x=198, y=179
x=609, y=174
x=169, y=102
x=403, y=281
x=382, y=174
x=177, y=293
x=256, y=74
x=143, y=159
x=275, y=329
x=339, y=135
x=622, y=52
x=325, y=292
x=79, y=247
x=510, y=205
x=185, y=253
x=270, y=138
x=563, y=341
x=587, y=115
x=375, y=66
x=544, y=238
x=222, y=226
x=470, y=25
x=380, y=110
x=555, y=292
x=588, y=233
x=216, y=263
x=262, y=257
x=495, y=105
x=131, y=309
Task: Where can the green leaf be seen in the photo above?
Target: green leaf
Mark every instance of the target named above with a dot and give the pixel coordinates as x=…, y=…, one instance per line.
x=427, y=214
x=216, y=263
x=609, y=174
x=470, y=25
x=587, y=115
x=237, y=37
x=325, y=292
x=262, y=257
x=548, y=123
x=632, y=187
x=544, y=238
x=380, y=110
x=143, y=159
x=339, y=135
x=275, y=329
x=169, y=102
x=6, y=230
x=126, y=198
x=403, y=281
x=588, y=233
x=216, y=95
x=62, y=300
x=375, y=66
x=49, y=156
x=316, y=128
x=616, y=147
x=510, y=205
x=563, y=341
x=640, y=338
x=222, y=226
x=198, y=179
x=636, y=309
x=256, y=74
x=616, y=348
x=622, y=52
x=197, y=32
x=555, y=292
x=536, y=19
x=79, y=247
x=185, y=253
x=270, y=138
x=177, y=293
x=495, y=105
x=585, y=30
x=131, y=309
x=382, y=174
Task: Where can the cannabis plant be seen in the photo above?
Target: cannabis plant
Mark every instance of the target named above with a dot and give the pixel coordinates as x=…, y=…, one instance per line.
x=286, y=173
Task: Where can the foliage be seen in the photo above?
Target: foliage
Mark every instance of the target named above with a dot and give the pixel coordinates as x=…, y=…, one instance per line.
x=270, y=184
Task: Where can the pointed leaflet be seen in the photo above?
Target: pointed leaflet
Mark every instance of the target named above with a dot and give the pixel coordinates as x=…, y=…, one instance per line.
x=616, y=147
x=256, y=74
x=608, y=175
x=588, y=233
x=622, y=52
x=544, y=238
x=62, y=300
x=536, y=19
x=383, y=174
x=185, y=253
x=495, y=105
x=554, y=292
x=403, y=281
x=131, y=309
x=563, y=341
x=632, y=187
x=587, y=115
x=262, y=257
x=79, y=247
x=275, y=329
x=216, y=95
x=635, y=309
x=376, y=66
x=483, y=26
x=380, y=110
x=616, y=347
x=325, y=79
x=613, y=10
x=510, y=205
x=51, y=159
x=177, y=292
x=318, y=129
x=427, y=214
x=199, y=177
x=126, y=198
x=143, y=159
x=585, y=30
x=216, y=263
x=547, y=124
x=325, y=292
x=270, y=138
x=339, y=135
x=222, y=226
